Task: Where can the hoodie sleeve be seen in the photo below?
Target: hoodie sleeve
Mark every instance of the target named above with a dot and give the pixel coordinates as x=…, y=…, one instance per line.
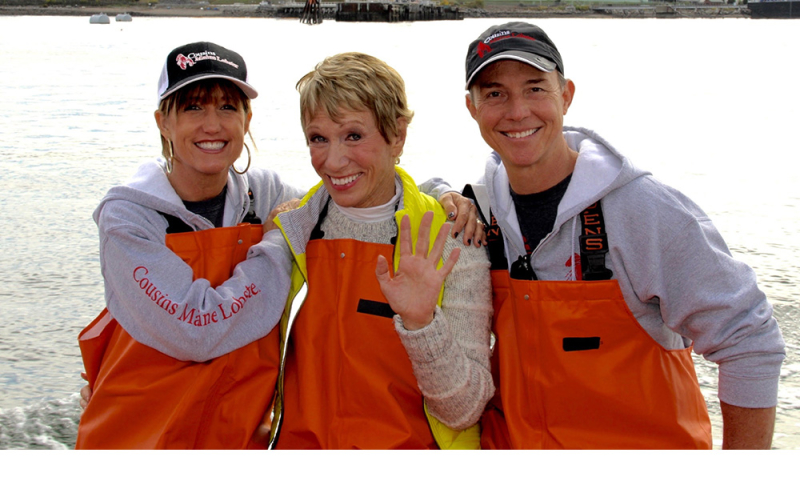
x=436, y=187
x=153, y=295
x=707, y=296
x=269, y=191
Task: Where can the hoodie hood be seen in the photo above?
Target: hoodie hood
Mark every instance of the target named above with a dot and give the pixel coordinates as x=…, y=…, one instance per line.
x=150, y=188
x=599, y=170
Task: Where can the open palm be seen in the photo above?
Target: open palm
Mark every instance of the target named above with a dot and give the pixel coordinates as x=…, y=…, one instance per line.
x=414, y=290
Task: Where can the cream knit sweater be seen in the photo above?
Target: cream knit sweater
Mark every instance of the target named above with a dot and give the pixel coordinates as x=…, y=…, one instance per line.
x=450, y=356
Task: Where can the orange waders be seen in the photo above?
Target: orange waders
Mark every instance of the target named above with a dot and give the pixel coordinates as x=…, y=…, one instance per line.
x=575, y=370
x=143, y=399
x=348, y=379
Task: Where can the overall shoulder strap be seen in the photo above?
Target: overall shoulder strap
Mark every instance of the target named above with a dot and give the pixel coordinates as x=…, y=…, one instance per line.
x=594, y=244
x=317, y=233
x=494, y=236
x=176, y=224
x=251, y=216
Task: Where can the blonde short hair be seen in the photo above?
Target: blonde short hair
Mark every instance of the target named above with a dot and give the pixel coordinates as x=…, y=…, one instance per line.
x=357, y=82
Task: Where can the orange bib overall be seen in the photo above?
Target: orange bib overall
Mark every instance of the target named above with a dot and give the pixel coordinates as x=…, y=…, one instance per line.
x=575, y=370
x=143, y=399
x=348, y=379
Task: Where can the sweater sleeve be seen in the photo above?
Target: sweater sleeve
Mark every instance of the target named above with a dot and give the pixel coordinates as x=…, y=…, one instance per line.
x=450, y=356
x=152, y=293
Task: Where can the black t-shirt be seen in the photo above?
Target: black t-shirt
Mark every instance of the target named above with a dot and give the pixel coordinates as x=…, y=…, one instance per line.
x=537, y=212
x=212, y=209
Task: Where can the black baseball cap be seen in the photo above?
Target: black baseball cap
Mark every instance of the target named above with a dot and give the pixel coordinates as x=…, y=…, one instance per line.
x=516, y=40
x=199, y=61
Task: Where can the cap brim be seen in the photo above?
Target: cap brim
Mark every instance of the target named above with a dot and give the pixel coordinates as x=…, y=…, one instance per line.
x=248, y=89
x=535, y=60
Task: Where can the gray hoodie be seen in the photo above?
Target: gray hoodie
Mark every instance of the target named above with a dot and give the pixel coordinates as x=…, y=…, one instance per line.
x=676, y=273
x=205, y=322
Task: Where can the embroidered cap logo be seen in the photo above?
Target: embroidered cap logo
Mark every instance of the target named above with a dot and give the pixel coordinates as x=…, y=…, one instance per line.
x=483, y=49
x=183, y=61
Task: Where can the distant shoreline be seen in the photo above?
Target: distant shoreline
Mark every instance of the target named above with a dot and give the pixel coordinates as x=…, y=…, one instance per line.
x=252, y=11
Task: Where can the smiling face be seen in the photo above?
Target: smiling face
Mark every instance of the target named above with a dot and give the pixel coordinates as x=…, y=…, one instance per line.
x=207, y=128
x=520, y=111
x=353, y=159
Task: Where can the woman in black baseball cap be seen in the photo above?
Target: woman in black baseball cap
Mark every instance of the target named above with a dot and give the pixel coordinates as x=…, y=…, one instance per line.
x=183, y=356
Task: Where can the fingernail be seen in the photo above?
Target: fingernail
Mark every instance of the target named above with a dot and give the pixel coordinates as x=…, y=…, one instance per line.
x=456, y=235
x=469, y=241
x=451, y=215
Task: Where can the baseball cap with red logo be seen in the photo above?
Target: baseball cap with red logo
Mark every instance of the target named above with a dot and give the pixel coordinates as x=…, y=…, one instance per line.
x=516, y=40
x=199, y=61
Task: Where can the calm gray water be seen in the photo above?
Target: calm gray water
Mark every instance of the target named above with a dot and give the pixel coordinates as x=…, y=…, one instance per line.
x=709, y=106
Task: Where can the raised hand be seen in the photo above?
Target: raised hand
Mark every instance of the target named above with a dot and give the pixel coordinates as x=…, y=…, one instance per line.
x=414, y=290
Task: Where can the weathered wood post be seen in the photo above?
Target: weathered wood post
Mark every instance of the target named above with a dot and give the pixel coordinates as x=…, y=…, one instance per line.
x=312, y=12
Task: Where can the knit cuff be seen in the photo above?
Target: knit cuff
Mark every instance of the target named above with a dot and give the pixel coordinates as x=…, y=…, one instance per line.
x=427, y=344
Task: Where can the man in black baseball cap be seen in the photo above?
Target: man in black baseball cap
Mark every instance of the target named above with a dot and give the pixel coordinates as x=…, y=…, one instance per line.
x=516, y=41
x=603, y=279
x=525, y=56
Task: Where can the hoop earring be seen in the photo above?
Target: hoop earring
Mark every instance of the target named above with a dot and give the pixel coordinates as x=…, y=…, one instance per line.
x=170, y=157
x=397, y=161
x=248, y=161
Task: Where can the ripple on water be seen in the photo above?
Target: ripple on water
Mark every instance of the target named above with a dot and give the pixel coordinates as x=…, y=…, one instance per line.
x=50, y=424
